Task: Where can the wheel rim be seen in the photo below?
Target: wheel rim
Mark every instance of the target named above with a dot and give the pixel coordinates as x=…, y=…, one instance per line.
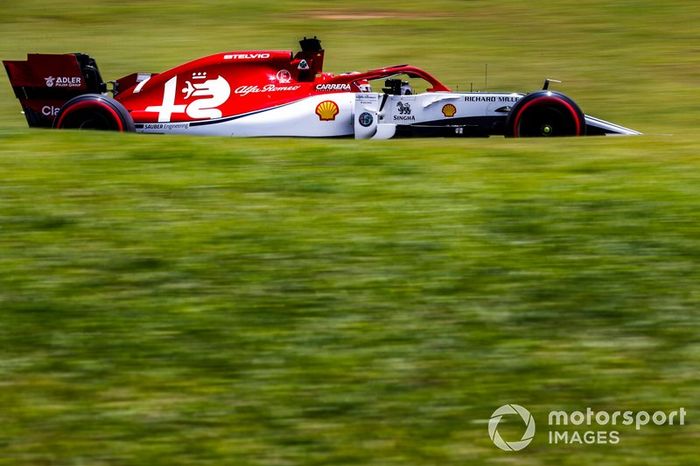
x=546, y=121
x=90, y=114
x=97, y=121
x=547, y=116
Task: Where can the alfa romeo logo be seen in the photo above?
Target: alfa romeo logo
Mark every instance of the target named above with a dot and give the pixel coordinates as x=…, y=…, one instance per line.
x=529, y=427
x=366, y=119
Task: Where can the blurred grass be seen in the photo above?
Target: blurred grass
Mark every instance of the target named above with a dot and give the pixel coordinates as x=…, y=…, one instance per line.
x=197, y=301
x=174, y=300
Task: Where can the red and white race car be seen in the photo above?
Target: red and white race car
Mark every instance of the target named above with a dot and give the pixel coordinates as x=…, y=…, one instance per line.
x=279, y=93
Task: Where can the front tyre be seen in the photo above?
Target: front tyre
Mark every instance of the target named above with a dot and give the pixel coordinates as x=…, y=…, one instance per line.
x=545, y=114
x=96, y=112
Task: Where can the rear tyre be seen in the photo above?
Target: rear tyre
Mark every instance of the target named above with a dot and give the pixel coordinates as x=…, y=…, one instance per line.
x=545, y=114
x=96, y=112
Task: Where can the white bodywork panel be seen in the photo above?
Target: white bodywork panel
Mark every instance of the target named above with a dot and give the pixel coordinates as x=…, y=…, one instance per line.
x=362, y=115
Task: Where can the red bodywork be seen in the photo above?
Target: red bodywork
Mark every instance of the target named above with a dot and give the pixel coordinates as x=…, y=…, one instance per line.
x=257, y=79
x=44, y=82
x=218, y=86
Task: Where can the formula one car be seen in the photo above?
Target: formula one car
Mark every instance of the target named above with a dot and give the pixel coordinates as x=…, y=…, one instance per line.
x=279, y=93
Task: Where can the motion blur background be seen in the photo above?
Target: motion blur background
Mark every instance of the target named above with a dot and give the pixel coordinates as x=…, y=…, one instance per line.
x=176, y=300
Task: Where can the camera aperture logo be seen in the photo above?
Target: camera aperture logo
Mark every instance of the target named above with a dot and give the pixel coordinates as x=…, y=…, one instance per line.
x=529, y=427
x=585, y=427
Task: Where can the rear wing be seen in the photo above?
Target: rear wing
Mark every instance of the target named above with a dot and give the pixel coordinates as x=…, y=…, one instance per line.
x=44, y=82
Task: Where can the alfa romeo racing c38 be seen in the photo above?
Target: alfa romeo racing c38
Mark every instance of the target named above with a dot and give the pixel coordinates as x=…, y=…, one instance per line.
x=280, y=93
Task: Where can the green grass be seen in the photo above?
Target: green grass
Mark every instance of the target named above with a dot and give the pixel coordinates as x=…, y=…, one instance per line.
x=181, y=301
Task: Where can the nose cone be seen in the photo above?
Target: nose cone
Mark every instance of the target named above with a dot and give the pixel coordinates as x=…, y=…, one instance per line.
x=596, y=126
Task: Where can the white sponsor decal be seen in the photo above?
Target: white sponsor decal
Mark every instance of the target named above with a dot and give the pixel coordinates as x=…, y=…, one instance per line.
x=168, y=107
x=284, y=76
x=218, y=91
x=246, y=56
x=63, y=81
x=49, y=110
x=333, y=87
x=245, y=90
x=140, y=84
x=208, y=95
x=404, y=118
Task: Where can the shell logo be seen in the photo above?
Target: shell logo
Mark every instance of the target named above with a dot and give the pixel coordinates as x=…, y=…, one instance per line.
x=449, y=110
x=327, y=110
